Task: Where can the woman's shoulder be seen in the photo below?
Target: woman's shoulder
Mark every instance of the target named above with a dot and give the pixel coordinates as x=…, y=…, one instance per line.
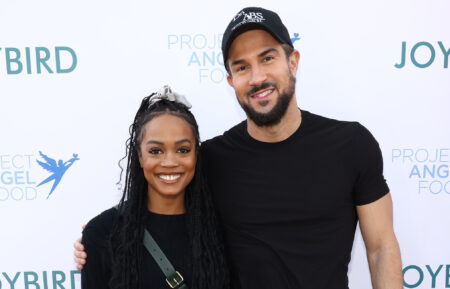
x=99, y=227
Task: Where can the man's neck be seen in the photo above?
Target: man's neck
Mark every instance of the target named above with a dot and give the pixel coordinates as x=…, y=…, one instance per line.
x=285, y=128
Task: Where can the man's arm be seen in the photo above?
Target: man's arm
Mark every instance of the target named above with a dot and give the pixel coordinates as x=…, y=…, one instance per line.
x=383, y=252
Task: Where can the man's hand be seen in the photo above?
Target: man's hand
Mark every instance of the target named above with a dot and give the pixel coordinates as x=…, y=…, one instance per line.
x=79, y=254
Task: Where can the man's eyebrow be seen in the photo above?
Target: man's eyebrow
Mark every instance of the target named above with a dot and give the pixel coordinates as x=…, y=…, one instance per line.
x=236, y=62
x=269, y=50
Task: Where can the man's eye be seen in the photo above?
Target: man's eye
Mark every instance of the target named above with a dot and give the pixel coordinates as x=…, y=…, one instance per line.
x=268, y=58
x=240, y=68
x=184, y=150
x=155, y=151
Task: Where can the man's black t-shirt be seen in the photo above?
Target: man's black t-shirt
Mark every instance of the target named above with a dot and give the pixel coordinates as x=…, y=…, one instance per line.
x=288, y=208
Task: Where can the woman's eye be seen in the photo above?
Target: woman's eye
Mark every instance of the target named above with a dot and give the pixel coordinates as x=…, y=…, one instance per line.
x=155, y=151
x=184, y=150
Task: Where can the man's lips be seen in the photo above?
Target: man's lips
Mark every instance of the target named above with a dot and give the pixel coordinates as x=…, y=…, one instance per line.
x=262, y=94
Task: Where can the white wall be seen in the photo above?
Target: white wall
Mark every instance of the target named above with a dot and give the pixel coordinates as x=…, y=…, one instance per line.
x=125, y=51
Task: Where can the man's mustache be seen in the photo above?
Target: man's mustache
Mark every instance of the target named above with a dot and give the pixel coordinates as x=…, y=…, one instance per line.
x=264, y=85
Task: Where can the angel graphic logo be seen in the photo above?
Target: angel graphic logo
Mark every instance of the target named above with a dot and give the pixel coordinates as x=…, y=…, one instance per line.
x=295, y=38
x=58, y=169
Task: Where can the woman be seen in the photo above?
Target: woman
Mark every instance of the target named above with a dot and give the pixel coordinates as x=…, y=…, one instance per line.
x=166, y=194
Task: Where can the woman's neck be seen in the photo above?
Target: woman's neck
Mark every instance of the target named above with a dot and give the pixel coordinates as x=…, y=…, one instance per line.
x=166, y=205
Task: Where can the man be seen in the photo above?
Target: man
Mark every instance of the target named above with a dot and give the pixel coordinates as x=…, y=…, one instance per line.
x=289, y=185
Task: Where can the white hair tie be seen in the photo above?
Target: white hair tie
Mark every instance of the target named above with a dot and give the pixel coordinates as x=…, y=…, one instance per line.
x=166, y=93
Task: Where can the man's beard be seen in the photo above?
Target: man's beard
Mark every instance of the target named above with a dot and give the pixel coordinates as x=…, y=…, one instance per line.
x=274, y=116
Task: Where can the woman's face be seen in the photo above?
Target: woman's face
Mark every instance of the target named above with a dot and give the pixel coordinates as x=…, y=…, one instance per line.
x=168, y=155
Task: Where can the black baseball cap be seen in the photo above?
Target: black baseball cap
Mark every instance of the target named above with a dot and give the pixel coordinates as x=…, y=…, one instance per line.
x=251, y=18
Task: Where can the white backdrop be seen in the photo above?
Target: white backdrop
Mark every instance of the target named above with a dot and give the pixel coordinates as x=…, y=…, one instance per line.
x=72, y=74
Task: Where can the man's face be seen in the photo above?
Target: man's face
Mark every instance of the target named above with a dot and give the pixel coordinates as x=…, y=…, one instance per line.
x=262, y=77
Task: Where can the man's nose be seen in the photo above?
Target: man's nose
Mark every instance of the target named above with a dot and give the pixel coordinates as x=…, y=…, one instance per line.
x=258, y=76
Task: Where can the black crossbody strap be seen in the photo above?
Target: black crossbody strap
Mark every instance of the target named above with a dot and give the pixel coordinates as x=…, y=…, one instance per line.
x=173, y=277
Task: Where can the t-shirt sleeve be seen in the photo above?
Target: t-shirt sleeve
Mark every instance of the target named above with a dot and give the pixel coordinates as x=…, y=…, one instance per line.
x=370, y=183
x=96, y=271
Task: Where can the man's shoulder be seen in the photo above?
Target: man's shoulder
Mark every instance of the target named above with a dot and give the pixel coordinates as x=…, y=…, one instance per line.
x=233, y=133
x=314, y=125
x=321, y=120
x=318, y=124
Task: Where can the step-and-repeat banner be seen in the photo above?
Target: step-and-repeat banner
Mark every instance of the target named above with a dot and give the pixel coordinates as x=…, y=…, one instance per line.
x=72, y=74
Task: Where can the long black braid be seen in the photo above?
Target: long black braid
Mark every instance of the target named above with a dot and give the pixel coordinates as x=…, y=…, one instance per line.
x=209, y=266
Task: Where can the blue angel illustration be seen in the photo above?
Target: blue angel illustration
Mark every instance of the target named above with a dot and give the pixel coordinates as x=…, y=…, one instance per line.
x=57, y=169
x=295, y=38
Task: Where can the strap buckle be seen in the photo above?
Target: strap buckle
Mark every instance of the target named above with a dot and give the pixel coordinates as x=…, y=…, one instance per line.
x=175, y=278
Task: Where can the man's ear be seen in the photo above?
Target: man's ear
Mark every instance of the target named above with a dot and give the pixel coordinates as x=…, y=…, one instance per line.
x=294, y=58
x=230, y=80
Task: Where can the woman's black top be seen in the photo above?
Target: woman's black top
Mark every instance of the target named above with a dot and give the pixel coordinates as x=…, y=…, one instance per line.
x=169, y=231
